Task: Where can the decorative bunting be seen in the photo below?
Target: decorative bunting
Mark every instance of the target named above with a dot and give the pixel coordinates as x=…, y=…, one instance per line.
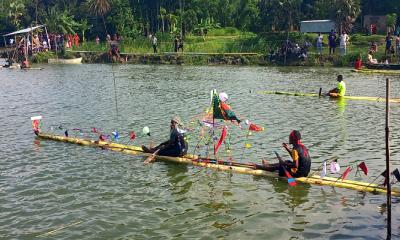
x=115, y=135
x=146, y=131
x=323, y=173
x=345, y=173
x=255, y=128
x=132, y=135
x=221, y=139
x=363, y=167
x=335, y=167
x=396, y=174
x=102, y=137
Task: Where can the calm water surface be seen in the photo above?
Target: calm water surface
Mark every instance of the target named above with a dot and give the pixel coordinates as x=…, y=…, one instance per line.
x=87, y=193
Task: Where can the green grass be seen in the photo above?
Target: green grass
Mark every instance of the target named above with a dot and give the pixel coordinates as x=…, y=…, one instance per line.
x=231, y=40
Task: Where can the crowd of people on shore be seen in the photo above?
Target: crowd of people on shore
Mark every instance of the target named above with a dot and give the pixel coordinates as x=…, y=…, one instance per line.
x=334, y=41
x=40, y=42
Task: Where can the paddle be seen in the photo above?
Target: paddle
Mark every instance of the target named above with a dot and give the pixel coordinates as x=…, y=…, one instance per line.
x=291, y=180
x=151, y=158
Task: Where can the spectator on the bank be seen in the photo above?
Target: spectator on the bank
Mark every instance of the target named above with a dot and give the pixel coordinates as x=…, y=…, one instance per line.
x=118, y=37
x=180, y=44
x=398, y=44
x=76, y=40
x=271, y=55
x=371, y=59
x=319, y=43
x=388, y=40
x=45, y=46
x=176, y=42
x=296, y=49
x=108, y=38
x=344, y=39
x=303, y=54
x=97, y=40
x=154, y=43
x=332, y=42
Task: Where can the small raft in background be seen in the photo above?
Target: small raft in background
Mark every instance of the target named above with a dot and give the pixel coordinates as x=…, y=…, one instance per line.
x=364, y=98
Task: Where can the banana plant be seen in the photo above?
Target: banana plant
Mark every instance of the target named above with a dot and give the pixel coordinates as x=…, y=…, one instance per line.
x=17, y=9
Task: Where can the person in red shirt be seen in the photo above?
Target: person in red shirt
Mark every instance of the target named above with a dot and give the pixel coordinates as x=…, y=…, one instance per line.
x=76, y=39
x=358, y=63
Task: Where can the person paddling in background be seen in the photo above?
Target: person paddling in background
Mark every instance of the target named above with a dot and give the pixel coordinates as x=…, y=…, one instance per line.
x=175, y=146
x=301, y=164
x=340, y=90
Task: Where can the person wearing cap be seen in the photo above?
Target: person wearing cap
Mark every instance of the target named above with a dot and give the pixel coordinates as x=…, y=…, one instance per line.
x=340, y=90
x=176, y=146
x=301, y=164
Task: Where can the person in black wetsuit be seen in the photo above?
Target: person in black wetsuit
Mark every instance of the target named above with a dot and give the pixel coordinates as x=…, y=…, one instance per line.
x=176, y=146
x=301, y=164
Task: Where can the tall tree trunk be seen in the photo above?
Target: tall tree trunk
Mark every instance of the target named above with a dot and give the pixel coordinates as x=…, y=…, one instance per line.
x=104, y=22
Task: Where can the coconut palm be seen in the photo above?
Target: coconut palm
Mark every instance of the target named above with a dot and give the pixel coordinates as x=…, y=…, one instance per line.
x=100, y=8
x=346, y=13
x=163, y=16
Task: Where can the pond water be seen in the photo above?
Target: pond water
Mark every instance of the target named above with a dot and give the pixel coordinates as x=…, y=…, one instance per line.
x=88, y=193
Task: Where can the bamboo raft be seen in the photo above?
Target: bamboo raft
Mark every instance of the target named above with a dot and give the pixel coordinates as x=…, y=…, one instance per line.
x=377, y=71
x=251, y=169
x=364, y=98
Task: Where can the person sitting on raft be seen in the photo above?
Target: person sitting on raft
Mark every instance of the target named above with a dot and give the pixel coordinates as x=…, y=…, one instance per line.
x=340, y=90
x=176, y=146
x=301, y=164
x=25, y=64
x=358, y=63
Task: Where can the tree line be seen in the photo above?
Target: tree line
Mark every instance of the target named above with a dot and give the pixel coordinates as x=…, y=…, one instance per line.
x=134, y=18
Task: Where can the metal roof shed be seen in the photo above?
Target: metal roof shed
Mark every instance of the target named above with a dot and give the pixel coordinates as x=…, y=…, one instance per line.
x=317, y=26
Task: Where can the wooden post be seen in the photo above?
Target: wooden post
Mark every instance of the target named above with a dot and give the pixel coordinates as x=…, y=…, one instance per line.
x=388, y=188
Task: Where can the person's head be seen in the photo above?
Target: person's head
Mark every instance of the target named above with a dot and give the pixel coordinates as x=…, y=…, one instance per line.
x=175, y=122
x=340, y=78
x=294, y=137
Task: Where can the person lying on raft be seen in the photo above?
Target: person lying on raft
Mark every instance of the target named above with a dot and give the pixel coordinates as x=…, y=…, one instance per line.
x=175, y=146
x=301, y=164
x=340, y=90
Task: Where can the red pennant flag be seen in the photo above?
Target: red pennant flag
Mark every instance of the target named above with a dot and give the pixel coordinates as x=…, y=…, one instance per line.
x=35, y=125
x=132, y=135
x=221, y=139
x=255, y=128
x=363, y=167
x=344, y=175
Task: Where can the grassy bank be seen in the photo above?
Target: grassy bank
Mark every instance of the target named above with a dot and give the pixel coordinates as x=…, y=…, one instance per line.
x=231, y=40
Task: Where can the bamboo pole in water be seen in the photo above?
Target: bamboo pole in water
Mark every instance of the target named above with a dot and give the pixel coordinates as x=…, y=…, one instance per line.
x=389, y=196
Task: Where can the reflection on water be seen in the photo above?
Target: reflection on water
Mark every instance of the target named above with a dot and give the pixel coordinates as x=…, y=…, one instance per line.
x=341, y=103
x=47, y=184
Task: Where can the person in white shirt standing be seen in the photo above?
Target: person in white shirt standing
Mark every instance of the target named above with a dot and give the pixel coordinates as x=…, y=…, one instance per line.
x=319, y=43
x=344, y=38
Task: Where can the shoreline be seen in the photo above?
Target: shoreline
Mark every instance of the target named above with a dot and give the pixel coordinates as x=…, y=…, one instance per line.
x=198, y=58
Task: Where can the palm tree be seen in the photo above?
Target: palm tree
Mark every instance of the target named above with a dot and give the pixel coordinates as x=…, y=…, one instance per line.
x=346, y=13
x=100, y=7
x=163, y=16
